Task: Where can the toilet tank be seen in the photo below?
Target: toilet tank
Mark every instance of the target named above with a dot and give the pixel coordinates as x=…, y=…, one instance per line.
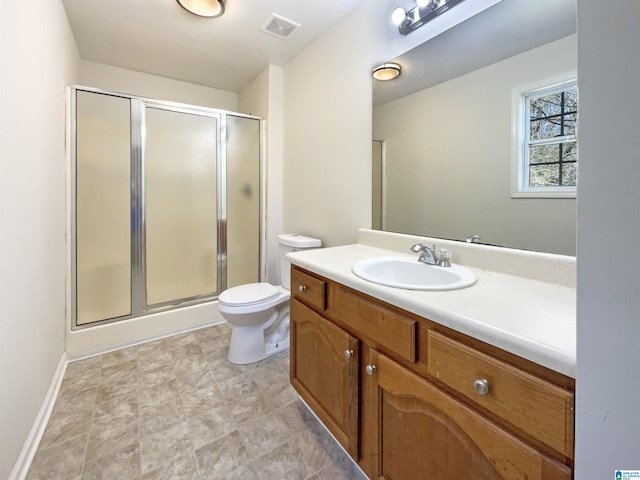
x=292, y=242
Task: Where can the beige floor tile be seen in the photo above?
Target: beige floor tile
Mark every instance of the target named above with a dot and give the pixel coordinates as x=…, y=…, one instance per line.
x=182, y=339
x=244, y=472
x=156, y=449
x=114, y=374
x=119, y=356
x=197, y=401
x=215, y=344
x=152, y=347
x=122, y=407
x=222, y=456
x=176, y=408
x=63, y=461
x=263, y=433
x=234, y=388
x=155, y=359
x=62, y=427
x=158, y=394
x=183, y=467
x=115, y=436
x=159, y=417
x=185, y=350
x=156, y=376
x=121, y=464
x=75, y=401
x=211, y=425
x=283, y=462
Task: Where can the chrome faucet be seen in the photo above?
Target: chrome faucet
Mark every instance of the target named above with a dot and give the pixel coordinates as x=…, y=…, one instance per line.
x=427, y=254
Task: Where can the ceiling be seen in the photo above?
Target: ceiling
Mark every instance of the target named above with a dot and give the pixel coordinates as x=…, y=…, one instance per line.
x=161, y=38
x=502, y=31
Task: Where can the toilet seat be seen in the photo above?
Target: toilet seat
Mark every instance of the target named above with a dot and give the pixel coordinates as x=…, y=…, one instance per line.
x=248, y=295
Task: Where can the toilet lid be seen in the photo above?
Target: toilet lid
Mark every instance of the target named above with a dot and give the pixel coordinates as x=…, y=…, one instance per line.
x=250, y=294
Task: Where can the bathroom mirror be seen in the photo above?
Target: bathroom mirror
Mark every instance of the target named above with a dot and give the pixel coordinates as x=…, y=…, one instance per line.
x=443, y=130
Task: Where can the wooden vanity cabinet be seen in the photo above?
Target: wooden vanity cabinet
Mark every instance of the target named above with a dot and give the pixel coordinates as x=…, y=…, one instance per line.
x=402, y=409
x=325, y=372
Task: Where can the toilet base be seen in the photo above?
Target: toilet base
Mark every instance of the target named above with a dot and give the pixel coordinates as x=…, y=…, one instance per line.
x=248, y=345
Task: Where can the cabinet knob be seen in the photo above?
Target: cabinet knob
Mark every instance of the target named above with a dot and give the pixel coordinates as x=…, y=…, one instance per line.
x=370, y=369
x=302, y=288
x=481, y=386
x=348, y=354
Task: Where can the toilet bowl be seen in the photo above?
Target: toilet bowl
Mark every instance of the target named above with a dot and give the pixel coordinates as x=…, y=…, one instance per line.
x=259, y=312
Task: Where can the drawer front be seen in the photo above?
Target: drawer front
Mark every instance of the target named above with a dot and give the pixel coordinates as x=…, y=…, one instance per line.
x=309, y=289
x=539, y=408
x=388, y=329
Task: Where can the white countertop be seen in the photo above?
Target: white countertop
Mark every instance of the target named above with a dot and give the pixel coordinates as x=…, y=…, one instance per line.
x=529, y=318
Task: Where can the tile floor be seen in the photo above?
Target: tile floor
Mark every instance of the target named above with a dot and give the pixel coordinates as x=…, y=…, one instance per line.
x=176, y=409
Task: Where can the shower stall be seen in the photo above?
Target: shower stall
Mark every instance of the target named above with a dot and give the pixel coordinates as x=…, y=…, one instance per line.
x=165, y=205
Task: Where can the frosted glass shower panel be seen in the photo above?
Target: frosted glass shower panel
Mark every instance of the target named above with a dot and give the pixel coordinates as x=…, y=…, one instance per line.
x=181, y=207
x=103, y=198
x=243, y=200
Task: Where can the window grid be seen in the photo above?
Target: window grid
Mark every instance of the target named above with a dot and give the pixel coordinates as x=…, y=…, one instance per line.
x=561, y=140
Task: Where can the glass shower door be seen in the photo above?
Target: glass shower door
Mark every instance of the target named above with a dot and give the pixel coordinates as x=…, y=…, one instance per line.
x=167, y=205
x=243, y=199
x=181, y=208
x=102, y=206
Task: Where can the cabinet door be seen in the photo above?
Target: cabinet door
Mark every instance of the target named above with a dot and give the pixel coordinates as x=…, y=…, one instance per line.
x=324, y=371
x=422, y=433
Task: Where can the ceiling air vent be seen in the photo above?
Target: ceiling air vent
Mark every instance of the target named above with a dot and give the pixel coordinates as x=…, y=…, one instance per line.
x=279, y=26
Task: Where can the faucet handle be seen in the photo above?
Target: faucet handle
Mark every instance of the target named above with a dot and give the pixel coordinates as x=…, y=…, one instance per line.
x=418, y=247
x=444, y=257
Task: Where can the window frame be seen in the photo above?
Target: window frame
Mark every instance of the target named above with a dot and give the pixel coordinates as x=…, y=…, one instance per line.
x=520, y=121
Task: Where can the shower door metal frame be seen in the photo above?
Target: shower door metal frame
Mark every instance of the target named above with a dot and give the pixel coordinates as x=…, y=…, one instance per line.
x=138, y=298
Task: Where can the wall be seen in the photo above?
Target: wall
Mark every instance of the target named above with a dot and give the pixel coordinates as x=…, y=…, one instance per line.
x=449, y=158
x=608, y=382
x=39, y=57
x=263, y=97
x=121, y=80
x=327, y=119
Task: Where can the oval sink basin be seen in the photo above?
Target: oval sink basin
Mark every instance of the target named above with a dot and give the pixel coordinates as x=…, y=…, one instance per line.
x=409, y=273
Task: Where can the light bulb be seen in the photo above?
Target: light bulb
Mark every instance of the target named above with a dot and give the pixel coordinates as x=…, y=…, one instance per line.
x=422, y=3
x=399, y=16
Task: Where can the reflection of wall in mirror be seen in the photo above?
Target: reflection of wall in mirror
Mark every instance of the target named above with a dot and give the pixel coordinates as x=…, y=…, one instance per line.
x=448, y=158
x=376, y=185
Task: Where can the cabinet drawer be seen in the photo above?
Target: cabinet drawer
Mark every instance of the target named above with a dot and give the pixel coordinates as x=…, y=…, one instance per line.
x=309, y=289
x=387, y=328
x=542, y=410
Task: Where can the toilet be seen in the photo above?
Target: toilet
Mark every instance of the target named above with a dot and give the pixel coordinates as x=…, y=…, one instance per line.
x=259, y=312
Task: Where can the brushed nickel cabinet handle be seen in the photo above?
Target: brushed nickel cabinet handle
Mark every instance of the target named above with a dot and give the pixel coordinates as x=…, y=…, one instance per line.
x=302, y=288
x=348, y=354
x=370, y=369
x=481, y=386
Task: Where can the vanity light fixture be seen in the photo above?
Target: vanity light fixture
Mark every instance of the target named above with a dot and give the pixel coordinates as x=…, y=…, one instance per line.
x=387, y=71
x=203, y=8
x=422, y=13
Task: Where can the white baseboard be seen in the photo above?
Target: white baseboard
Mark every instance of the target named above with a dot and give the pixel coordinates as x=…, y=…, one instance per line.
x=22, y=465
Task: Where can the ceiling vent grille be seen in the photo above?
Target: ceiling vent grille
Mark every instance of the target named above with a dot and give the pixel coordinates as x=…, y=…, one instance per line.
x=279, y=26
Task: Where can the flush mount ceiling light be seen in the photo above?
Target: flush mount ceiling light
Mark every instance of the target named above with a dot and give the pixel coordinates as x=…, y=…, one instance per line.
x=387, y=71
x=422, y=13
x=203, y=8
